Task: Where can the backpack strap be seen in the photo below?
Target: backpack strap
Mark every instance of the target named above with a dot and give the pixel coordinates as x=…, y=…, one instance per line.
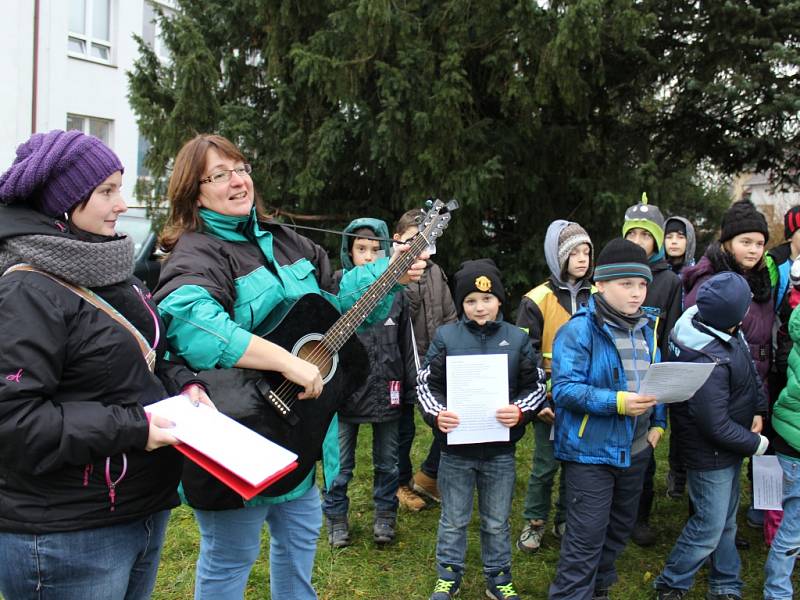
x=148, y=353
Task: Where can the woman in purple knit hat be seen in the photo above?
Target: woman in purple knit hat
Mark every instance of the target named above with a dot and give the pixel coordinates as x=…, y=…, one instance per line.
x=86, y=479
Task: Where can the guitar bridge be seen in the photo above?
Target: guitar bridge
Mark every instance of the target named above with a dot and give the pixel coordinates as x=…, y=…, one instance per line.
x=285, y=411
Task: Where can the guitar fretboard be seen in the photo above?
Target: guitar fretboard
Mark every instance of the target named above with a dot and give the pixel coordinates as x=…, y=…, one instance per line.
x=346, y=325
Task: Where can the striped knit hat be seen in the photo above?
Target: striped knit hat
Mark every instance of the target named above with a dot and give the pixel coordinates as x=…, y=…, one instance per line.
x=570, y=237
x=791, y=221
x=54, y=171
x=622, y=258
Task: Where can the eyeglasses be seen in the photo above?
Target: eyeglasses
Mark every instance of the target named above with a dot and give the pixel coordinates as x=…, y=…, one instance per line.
x=224, y=175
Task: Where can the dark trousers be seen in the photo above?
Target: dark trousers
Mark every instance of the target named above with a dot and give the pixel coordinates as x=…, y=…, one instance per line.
x=601, y=512
x=648, y=492
x=405, y=438
x=676, y=463
x=406, y=433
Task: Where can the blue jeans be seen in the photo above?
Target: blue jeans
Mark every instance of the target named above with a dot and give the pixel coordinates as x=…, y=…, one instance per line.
x=105, y=563
x=602, y=501
x=458, y=478
x=786, y=545
x=230, y=541
x=384, y=465
x=710, y=531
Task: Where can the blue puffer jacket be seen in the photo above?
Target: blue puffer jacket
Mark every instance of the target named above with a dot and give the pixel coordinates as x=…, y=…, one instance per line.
x=587, y=374
x=713, y=427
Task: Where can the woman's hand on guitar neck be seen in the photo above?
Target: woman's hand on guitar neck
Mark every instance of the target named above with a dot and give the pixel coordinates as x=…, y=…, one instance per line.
x=263, y=355
x=417, y=267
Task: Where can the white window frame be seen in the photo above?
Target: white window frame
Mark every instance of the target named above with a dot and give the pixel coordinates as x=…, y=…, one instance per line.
x=86, y=126
x=157, y=43
x=88, y=38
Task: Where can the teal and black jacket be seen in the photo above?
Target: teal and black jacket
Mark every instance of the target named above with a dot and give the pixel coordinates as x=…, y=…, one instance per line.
x=218, y=285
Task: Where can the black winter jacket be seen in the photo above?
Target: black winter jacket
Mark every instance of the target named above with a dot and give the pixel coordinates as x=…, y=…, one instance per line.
x=526, y=381
x=664, y=293
x=392, y=372
x=72, y=386
x=713, y=427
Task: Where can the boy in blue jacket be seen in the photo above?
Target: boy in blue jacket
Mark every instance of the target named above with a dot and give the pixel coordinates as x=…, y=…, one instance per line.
x=717, y=428
x=605, y=432
x=489, y=467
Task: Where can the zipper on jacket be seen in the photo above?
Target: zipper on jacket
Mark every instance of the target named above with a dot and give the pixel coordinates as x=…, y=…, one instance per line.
x=156, y=328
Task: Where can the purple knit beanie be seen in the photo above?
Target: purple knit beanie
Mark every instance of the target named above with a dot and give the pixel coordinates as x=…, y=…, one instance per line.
x=57, y=170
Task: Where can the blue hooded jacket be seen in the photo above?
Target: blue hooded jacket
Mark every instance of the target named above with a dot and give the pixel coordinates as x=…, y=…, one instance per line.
x=587, y=374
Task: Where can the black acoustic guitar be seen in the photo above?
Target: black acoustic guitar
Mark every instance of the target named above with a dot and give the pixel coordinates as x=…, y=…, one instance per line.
x=313, y=330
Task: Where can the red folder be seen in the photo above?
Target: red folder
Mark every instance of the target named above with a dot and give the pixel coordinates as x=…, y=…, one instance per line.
x=228, y=477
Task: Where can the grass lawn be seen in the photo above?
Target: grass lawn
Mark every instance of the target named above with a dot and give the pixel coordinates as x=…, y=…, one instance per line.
x=406, y=569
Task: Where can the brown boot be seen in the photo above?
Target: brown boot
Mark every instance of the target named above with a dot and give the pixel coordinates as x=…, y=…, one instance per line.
x=409, y=499
x=426, y=486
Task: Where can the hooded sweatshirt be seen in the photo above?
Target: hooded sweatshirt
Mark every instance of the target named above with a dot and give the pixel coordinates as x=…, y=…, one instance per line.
x=691, y=245
x=545, y=308
x=392, y=373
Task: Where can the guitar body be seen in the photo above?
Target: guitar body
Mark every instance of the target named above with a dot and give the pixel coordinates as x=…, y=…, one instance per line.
x=243, y=394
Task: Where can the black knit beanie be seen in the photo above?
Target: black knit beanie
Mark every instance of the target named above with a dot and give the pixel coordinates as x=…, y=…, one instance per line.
x=480, y=275
x=622, y=258
x=743, y=217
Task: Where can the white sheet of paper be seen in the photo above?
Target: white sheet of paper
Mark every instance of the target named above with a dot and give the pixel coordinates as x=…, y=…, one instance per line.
x=477, y=385
x=240, y=449
x=767, y=483
x=674, y=381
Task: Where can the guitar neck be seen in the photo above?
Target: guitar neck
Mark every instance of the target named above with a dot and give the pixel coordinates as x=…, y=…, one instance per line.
x=347, y=324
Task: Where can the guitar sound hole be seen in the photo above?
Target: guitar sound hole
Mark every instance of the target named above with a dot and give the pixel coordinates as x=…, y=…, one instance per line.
x=316, y=354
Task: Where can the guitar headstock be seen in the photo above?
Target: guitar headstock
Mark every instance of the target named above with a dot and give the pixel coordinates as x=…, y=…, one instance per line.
x=435, y=220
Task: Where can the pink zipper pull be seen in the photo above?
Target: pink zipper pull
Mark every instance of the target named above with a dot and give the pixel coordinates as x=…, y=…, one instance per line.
x=112, y=494
x=87, y=470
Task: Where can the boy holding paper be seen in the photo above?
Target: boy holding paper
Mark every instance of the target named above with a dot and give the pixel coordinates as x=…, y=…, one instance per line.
x=487, y=466
x=605, y=432
x=717, y=428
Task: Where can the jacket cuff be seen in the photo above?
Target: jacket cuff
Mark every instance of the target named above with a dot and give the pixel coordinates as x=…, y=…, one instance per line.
x=621, y=402
x=235, y=349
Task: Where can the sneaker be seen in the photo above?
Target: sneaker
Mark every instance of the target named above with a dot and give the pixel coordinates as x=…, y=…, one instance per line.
x=643, y=535
x=500, y=587
x=670, y=594
x=426, y=486
x=409, y=499
x=559, y=529
x=741, y=543
x=338, y=532
x=383, y=530
x=445, y=589
x=530, y=540
x=676, y=484
x=601, y=594
x=713, y=596
x=755, y=518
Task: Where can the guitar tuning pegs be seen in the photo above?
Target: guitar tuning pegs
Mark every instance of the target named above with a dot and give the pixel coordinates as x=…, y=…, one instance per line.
x=452, y=205
x=429, y=203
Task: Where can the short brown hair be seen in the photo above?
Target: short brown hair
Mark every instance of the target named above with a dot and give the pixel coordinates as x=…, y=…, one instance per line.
x=184, y=185
x=410, y=218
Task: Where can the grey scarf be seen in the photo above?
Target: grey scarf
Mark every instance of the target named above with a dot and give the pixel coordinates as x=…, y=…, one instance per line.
x=88, y=264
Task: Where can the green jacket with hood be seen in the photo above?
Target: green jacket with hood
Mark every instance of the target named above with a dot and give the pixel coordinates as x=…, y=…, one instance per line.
x=237, y=275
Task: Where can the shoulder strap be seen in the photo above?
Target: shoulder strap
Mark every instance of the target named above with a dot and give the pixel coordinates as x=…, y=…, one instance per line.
x=148, y=353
